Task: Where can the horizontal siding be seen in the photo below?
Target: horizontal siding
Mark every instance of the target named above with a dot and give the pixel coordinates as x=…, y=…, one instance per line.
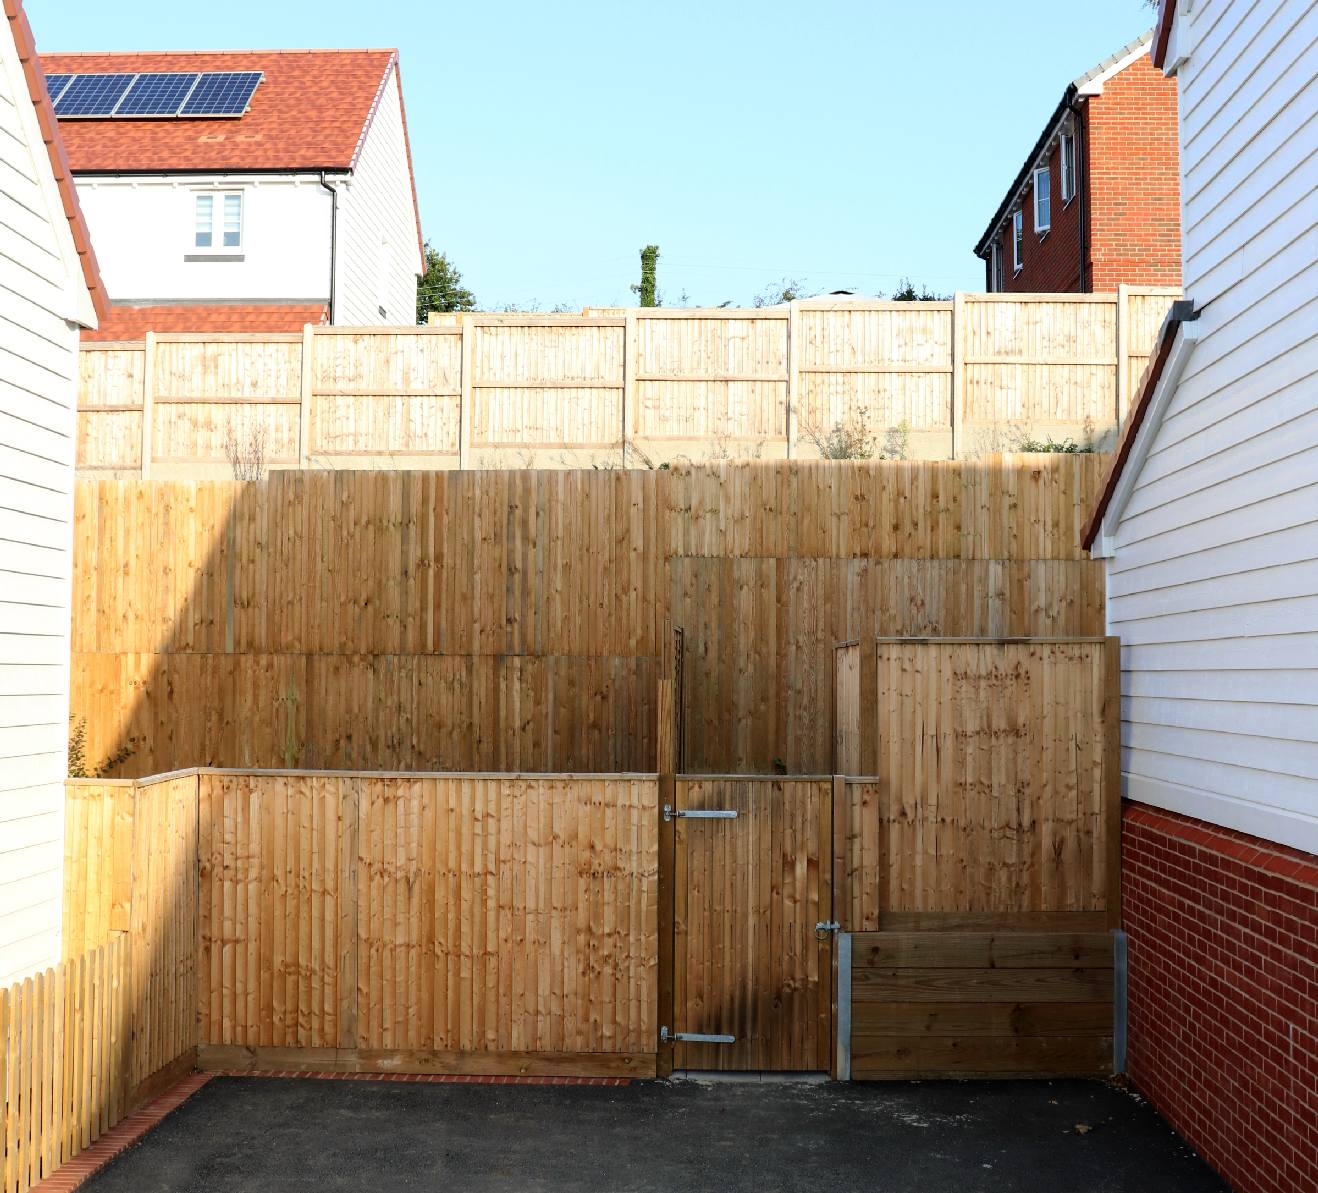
x=38, y=387
x=377, y=205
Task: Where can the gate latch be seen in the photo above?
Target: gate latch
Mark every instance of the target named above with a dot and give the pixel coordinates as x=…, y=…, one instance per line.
x=671, y=813
x=693, y=1037
x=824, y=927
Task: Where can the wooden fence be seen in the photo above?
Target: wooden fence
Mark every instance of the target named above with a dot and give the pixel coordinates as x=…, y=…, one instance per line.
x=512, y=620
x=653, y=386
x=483, y=923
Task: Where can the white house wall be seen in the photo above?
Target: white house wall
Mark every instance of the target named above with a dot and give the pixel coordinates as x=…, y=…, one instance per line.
x=143, y=231
x=41, y=292
x=378, y=218
x=1213, y=585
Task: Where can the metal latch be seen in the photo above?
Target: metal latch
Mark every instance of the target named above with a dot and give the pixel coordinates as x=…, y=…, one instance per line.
x=693, y=1037
x=671, y=813
x=824, y=927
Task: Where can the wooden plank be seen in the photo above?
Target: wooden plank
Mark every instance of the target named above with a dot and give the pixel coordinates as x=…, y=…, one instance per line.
x=876, y=1057
x=992, y=921
x=215, y=1057
x=980, y=985
x=917, y=1020
x=991, y=950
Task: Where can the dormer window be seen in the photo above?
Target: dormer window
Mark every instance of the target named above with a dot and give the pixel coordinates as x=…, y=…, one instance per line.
x=219, y=221
x=1017, y=240
x=1066, y=155
x=1042, y=200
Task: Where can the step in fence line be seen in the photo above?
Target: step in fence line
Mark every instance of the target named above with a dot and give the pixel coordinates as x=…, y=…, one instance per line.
x=638, y=388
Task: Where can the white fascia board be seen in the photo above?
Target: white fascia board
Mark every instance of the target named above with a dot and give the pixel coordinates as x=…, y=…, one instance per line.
x=1095, y=85
x=1187, y=335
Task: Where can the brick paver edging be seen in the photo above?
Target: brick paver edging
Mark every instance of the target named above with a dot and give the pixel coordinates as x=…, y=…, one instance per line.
x=425, y=1078
x=91, y=1160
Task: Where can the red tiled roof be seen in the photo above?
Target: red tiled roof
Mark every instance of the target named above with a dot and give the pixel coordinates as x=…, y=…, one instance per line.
x=55, y=150
x=310, y=112
x=133, y=322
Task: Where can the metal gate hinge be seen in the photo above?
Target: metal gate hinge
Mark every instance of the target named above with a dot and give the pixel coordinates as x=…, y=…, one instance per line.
x=692, y=1037
x=826, y=926
x=671, y=813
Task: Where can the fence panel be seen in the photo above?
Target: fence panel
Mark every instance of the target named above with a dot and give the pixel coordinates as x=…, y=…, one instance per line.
x=989, y=780
x=612, y=388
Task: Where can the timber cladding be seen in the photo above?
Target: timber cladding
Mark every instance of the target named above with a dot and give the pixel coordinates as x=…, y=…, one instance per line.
x=513, y=620
x=503, y=391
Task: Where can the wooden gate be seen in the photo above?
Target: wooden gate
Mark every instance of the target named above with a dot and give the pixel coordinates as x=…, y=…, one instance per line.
x=748, y=894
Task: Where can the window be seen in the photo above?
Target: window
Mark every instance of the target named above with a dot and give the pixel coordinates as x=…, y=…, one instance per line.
x=1066, y=152
x=995, y=268
x=219, y=220
x=1017, y=240
x=1042, y=200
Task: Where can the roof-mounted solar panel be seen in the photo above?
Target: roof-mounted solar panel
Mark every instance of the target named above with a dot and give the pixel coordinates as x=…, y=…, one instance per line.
x=157, y=94
x=222, y=93
x=89, y=96
x=55, y=85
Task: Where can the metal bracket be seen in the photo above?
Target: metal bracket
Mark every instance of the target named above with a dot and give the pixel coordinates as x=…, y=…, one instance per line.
x=692, y=1037
x=824, y=927
x=671, y=813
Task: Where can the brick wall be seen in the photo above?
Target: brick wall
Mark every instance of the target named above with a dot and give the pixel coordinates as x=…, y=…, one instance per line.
x=1135, y=186
x=1223, y=1029
x=1051, y=262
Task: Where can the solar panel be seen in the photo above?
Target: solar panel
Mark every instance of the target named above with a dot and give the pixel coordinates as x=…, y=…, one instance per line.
x=158, y=94
x=55, y=85
x=91, y=95
x=224, y=93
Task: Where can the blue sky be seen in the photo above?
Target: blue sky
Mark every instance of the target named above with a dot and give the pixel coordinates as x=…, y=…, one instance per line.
x=843, y=143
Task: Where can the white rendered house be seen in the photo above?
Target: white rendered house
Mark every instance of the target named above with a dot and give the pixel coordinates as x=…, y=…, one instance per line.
x=253, y=191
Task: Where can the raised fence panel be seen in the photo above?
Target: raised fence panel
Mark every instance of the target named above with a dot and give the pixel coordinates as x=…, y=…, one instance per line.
x=1145, y=312
x=992, y=785
x=385, y=394
x=111, y=383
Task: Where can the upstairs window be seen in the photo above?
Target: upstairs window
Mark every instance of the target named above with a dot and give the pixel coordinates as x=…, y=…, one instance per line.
x=995, y=268
x=1017, y=240
x=1066, y=154
x=219, y=220
x=1042, y=200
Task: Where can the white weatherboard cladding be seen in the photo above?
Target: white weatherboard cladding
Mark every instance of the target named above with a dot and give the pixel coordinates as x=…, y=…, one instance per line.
x=377, y=217
x=42, y=292
x=143, y=230
x=1213, y=579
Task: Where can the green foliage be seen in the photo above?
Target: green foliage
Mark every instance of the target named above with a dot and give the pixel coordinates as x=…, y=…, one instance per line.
x=906, y=292
x=648, y=289
x=440, y=288
x=852, y=439
x=78, y=754
x=777, y=293
x=1066, y=447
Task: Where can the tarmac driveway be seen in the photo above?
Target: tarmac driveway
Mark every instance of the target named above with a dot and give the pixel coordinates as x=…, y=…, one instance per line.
x=253, y=1133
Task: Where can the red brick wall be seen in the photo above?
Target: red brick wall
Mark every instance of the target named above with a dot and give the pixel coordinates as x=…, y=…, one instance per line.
x=1051, y=262
x=1223, y=984
x=1135, y=185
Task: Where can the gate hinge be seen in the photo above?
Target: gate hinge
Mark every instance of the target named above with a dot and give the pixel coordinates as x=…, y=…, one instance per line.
x=826, y=926
x=671, y=813
x=692, y=1037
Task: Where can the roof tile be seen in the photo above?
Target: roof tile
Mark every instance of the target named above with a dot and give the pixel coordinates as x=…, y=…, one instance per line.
x=133, y=322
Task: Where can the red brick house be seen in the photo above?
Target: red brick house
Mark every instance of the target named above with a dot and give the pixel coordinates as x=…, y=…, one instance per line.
x=1097, y=201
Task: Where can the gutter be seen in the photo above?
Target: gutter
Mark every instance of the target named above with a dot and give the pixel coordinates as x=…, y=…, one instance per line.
x=334, y=241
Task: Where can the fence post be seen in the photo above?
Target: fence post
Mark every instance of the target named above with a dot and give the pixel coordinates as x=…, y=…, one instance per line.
x=465, y=391
x=956, y=388
x=630, y=349
x=1123, y=351
x=304, y=409
x=793, y=372
x=148, y=399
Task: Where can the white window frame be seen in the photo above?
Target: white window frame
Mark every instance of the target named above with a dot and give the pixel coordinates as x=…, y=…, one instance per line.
x=1066, y=163
x=996, y=278
x=1018, y=239
x=1045, y=192
x=219, y=200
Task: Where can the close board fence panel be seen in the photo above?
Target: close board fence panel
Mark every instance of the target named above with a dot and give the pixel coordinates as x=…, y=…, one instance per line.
x=427, y=621
x=932, y=380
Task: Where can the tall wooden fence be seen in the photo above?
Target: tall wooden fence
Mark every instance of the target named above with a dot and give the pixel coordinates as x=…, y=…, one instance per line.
x=512, y=620
x=500, y=391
